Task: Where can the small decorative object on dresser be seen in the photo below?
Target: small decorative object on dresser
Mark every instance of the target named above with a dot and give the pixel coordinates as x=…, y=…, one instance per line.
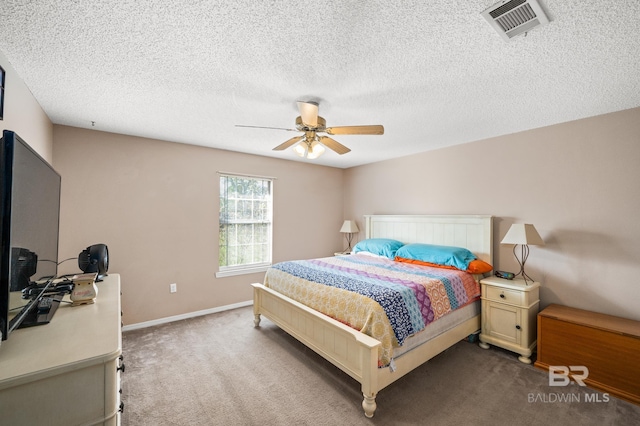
x=509, y=309
x=84, y=289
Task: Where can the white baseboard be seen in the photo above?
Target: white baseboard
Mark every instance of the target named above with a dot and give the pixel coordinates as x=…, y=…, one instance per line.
x=165, y=320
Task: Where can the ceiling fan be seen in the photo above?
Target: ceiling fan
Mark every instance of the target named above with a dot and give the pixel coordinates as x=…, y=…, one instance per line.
x=310, y=144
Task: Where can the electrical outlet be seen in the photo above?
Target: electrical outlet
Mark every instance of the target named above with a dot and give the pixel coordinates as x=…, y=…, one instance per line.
x=173, y=287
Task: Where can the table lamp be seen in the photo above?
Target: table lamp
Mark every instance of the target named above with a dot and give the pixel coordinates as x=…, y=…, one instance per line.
x=349, y=227
x=525, y=235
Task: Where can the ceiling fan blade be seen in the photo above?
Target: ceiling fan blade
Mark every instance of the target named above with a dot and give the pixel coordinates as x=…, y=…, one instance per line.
x=333, y=145
x=288, y=143
x=309, y=113
x=262, y=127
x=356, y=130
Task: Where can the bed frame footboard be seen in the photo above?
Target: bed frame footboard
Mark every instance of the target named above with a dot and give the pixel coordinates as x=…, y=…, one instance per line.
x=353, y=352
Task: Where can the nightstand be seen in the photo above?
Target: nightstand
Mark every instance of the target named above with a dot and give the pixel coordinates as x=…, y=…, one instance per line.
x=509, y=309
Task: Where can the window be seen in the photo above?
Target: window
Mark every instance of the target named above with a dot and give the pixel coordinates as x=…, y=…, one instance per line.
x=245, y=224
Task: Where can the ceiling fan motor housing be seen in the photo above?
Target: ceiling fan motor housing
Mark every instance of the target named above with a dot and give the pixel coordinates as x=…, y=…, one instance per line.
x=320, y=127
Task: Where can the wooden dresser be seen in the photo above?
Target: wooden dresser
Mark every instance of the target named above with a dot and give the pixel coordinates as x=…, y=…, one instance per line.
x=66, y=372
x=608, y=346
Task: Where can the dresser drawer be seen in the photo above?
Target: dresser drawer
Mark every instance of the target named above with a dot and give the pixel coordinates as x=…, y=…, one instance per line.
x=513, y=297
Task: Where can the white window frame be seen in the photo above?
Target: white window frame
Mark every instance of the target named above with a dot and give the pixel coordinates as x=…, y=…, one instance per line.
x=248, y=268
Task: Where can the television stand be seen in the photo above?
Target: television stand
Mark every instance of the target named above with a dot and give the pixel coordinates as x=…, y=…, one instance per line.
x=34, y=318
x=67, y=373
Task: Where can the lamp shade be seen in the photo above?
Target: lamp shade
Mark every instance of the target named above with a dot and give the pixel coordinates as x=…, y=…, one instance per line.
x=349, y=226
x=523, y=233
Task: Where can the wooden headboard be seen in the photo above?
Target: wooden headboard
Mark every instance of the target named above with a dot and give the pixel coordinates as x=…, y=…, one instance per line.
x=473, y=232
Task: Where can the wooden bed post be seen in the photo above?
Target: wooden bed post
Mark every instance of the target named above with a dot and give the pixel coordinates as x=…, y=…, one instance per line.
x=369, y=405
x=369, y=380
x=256, y=308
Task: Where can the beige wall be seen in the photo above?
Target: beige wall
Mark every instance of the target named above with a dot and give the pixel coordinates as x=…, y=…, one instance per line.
x=155, y=205
x=23, y=114
x=578, y=183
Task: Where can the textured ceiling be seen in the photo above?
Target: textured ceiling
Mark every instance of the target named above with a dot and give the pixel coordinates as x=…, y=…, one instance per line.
x=434, y=73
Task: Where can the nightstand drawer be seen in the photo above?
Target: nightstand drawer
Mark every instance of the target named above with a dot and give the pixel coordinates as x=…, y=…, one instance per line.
x=504, y=295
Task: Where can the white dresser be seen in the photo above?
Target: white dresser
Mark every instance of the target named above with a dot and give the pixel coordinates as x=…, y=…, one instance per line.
x=66, y=372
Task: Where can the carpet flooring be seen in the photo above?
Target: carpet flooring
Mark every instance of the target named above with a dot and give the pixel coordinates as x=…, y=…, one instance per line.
x=220, y=370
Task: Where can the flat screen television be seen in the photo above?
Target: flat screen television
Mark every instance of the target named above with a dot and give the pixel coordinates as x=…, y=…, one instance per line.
x=30, y=209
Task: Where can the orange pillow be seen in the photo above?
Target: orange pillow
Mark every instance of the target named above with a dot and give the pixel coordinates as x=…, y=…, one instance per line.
x=475, y=266
x=479, y=267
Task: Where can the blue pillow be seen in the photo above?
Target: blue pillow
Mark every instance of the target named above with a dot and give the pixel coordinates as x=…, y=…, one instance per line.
x=381, y=246
x=457, y=257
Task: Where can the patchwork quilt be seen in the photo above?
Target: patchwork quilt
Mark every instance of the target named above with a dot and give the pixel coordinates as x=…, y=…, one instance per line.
x=387, y=300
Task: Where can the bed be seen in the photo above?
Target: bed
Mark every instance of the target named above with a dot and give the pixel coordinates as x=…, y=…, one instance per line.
x=359, y=354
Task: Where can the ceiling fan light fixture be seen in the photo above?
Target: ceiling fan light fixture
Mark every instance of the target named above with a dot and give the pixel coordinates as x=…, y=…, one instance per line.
x=301, y=149
x=310, y=150
x=316, y=151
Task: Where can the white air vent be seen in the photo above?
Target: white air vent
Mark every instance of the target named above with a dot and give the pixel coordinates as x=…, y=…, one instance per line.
x=512, y=17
